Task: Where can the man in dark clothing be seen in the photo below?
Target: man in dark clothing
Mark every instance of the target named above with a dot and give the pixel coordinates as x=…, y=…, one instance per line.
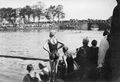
x=94, y=53
x=115, y=43
x=115, y=24
x=82, y=58
x=93, y=60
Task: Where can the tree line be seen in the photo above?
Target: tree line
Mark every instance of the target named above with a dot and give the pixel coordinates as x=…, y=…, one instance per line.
x=51, y=13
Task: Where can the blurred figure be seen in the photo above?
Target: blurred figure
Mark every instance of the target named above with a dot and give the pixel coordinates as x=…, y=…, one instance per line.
x=115, y=25
x=94, y=53
x=61, y=69
x=115, y=43
x=82, y=53
x=68, y=60
x=104, y=46
x=53, y=45
x=104, y=56
x=70, y=71
x=31, y=76
x=82, y=58
x=93, y=60
x=44, y=73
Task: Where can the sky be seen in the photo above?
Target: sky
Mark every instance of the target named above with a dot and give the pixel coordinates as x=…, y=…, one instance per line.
x=74, y=9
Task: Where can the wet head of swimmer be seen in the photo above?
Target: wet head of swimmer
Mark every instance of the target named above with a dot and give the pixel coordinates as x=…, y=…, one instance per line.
x=65, y=48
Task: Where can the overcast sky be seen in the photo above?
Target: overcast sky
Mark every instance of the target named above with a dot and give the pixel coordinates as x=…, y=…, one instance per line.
x=74, y=9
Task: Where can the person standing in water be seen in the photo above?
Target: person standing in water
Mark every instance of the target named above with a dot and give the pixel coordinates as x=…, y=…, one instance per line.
x=53, y=45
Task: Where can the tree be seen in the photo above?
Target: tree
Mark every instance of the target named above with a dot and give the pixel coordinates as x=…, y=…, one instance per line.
x=59, y=12
x=38, y=10
x=2, y=13
x=51, y=13
x=28, y=12
x=55, y=11
x=34, y=14
x=8, y=14
x=23, y=12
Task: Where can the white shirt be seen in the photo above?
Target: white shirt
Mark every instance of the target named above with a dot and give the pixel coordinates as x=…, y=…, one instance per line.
x=104, y=45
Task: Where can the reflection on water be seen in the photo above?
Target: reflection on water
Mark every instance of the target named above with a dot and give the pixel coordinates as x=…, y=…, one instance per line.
x=30, y=44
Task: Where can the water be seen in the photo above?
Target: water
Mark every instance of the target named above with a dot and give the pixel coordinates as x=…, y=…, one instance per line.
x=29, y=44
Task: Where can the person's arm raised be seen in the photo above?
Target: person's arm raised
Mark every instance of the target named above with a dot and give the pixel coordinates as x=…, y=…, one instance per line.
x=61, y=45
x=45, y=47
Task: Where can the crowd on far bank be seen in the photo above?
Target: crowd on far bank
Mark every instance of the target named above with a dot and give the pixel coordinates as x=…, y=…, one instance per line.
x=91, y=63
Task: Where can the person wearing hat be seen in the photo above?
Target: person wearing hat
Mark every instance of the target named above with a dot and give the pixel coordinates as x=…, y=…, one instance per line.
x=31, y=76
x=53, y=47
x=44, y=72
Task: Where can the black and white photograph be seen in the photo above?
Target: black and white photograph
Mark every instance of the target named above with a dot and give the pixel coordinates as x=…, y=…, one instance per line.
x=59, y=40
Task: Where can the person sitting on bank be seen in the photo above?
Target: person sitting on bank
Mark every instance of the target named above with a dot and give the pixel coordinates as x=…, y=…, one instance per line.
x=44, y=73
x=31, y=76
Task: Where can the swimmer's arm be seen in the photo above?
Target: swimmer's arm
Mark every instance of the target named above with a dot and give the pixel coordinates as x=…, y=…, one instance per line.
x=61, y=45
x=44, y=47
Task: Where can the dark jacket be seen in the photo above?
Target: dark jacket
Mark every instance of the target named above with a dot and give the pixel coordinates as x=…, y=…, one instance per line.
x=28, y=78
x=83, y=56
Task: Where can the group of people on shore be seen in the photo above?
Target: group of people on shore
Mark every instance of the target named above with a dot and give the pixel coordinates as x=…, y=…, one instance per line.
x=88, y=65
x=94, y=64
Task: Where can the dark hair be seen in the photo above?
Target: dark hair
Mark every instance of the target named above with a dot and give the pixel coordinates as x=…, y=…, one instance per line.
x=105, y=33
x=51, y=34
x=64, y=49
x=29, y=67
x=118, y=1
x=94, y=42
